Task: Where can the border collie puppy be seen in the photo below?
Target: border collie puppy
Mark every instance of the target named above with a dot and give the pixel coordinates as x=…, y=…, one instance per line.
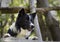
x=24, y=21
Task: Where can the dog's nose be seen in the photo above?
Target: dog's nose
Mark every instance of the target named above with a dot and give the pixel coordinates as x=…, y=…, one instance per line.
x=32, y=26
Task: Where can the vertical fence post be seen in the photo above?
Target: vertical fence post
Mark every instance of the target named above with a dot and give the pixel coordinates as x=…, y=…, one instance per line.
x=37, y=28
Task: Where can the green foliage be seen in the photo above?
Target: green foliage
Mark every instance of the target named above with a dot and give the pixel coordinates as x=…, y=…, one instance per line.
x=58, y=13
x=54, y=3
x=16, y=3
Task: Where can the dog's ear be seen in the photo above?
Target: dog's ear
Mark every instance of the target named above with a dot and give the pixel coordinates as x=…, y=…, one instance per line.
x=22, y=12
x=33, y=15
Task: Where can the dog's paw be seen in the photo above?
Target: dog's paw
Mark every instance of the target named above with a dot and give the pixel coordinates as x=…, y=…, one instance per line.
x=35, y=39
x=32, y=38
x=6, y=35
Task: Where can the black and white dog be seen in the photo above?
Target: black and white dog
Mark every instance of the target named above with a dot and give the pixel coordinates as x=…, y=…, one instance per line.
x=24, y=21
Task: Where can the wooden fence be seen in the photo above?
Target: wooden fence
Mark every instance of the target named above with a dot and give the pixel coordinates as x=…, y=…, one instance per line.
x=16, y=9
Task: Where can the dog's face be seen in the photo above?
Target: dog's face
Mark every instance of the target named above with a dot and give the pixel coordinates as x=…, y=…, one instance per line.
x=25, y=21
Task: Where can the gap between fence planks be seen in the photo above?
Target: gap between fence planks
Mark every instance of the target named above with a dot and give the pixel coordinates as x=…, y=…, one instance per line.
x=16, y=9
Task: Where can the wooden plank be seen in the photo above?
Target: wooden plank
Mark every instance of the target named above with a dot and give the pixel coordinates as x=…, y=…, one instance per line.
x=11, y=9
x=16, y=9
x=17, y=40
x=46, y=9
x=37, y=28
x=21, y=40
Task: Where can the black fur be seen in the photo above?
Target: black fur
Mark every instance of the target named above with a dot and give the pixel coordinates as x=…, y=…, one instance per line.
x=13, y=34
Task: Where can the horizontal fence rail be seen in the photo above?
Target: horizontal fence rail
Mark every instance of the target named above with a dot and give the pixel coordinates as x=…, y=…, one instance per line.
x=16, y=9
x=11, y=39
x=11, y=9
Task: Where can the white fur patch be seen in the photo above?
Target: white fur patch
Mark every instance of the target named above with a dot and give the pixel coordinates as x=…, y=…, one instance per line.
x=28, y=33
x=31, y=24
x=33, y=37
x=29, y=17
x=13, y=28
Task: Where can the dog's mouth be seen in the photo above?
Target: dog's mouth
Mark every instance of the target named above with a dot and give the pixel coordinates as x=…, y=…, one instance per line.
x=30, y=29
